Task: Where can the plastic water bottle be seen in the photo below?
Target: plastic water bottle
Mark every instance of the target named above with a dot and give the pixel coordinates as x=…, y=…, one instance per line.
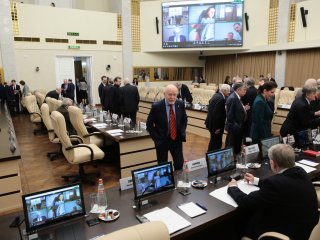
x=184, y=183
x=101, y=197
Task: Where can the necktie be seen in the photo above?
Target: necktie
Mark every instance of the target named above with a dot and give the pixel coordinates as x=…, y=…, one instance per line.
x=173, y=127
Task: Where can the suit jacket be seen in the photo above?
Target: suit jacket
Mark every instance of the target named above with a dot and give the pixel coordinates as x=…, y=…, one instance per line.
x=113, y=97
x=100, y=91
x=216, y=116
x=53, y=94
x=18, y=89
x=106, y=100
x=70, y=91
x=158, y=124
x=236, y=114
x=300, y=117
x=286, y=203
x=185, y=94
x=182, y=38
x=129, y=98
x=261, y=119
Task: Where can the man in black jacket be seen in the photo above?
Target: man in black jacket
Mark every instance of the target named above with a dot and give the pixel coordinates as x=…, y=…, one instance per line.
x=54, y=93
x=184, y=93
x=216, y=117
x=286, y=202
x=129, y=100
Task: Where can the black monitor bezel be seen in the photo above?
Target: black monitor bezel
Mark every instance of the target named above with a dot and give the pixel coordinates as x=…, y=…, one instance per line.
x=163, y=189
x=32, y=229
x=261, y=145
x=231, y=167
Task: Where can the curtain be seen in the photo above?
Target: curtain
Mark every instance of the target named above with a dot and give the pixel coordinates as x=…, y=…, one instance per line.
x=251, y=64
x=301, y=65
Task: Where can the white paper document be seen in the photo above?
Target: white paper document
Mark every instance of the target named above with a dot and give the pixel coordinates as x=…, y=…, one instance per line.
x=192, y=209
x=173, y=220
x=116, y=134
x=306, y=168
x=114, y=131
x=100, y=125
x=308, y=162
x=222, y=193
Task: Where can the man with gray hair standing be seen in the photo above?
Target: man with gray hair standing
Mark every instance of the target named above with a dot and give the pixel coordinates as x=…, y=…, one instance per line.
x=129, y=100
x=286, y=202
x=216, y=117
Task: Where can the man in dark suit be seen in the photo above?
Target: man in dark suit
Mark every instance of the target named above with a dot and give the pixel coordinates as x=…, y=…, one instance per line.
x=216, y=117
x=176, y=37
x=184, y=93
x=286, y=202
x=113, y=96
x=300, y=116
x=104, y=82
x=70, y=90
x=129, y=100
x=17, y=95
x=236, y=117
x=167, y=123
x=64, y=87
x=248, y=99
x=54, y=93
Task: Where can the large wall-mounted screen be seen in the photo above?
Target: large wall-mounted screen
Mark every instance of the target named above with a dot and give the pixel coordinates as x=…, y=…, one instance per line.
x=202, y=23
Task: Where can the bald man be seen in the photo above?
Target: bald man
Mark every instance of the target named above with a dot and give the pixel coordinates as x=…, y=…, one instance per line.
x=167, y=123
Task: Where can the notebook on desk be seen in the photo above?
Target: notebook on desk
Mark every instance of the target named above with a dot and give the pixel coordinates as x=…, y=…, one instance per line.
x=49, y=207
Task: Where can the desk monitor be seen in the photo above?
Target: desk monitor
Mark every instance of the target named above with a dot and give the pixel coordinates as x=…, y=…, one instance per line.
x=304, y=138
x=219, y=161
x=151, y=180
x=42, y=209
x=268, y=143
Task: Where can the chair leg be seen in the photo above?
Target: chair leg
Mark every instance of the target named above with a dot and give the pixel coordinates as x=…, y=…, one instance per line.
x=82, y=176
x=54, y=155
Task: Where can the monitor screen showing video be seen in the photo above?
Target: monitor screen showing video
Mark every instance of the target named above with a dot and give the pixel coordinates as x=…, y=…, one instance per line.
x=202, y=23
x=51, y=206
x=268, y=143
x=152, y=180
x=220, y=161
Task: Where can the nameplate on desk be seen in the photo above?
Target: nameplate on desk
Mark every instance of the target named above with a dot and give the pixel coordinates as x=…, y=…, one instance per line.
x=197, y=106
x=143, y=125
x=251, y=149
x=126, y=183
x=197, y=164
x=288, y=141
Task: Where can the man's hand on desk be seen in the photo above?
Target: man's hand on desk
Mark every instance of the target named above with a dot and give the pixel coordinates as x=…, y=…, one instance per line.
x=233, y=183
x=248, y=177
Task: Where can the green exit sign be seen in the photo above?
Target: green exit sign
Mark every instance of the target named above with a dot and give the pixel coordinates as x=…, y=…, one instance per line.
x=73, y=47
x=72, y=33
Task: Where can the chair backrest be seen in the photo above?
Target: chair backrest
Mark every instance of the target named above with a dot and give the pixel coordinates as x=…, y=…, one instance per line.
x=286, y=97
x=160, y=94
x=47, y=121
x=50, y=103
x=155, y=230
x=142, y=91
x=76, y=120
x=151, y=93
x=40, y=97
x=60, y=129
x=315, y=234
x=32, y=107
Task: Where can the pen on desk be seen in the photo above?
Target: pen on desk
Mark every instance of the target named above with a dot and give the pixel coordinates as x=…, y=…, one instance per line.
x=201, y=206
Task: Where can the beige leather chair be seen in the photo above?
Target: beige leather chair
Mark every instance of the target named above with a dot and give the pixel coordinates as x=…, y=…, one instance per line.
x=160, y=94
x=76, y=119
x=151, y=94
x=51, y=134
x=53, y=103
x=75, y=154
x=142, y=91
x=35, y=114
x=40, y=97
x=155, y=230
x=317, y=188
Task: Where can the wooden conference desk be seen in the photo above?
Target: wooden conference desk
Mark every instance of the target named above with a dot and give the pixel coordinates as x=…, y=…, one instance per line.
x=136, y=150
x=219, y=213
x=10, y=183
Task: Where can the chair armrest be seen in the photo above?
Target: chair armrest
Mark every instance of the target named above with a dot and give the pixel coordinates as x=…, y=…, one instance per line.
x=76, y=137
x=274, y=235
x=316, y=183
x=82, y=145
x=92, y=134
x=50, y=130
x=36, y=114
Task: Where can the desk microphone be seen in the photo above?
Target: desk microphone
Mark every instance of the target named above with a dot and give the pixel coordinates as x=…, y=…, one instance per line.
x=225, y=167
x=142, y=194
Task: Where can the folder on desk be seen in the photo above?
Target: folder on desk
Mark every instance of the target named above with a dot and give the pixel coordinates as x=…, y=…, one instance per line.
x=192, y=209
x=173, y=220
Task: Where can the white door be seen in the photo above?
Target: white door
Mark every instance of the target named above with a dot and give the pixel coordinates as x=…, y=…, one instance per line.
x=64, y=69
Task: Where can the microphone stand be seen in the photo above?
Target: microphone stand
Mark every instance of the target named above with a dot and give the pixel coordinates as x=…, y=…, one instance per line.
x=215, y=180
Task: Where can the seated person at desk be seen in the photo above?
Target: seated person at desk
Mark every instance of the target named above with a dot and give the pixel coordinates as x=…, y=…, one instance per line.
x=184, y=93
x=300, y=116
x=286, y=202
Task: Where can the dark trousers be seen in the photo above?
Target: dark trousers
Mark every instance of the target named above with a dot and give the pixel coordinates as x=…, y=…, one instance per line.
x=132, y=116
x=215, y=141
x=175, y=148
x=235, y=140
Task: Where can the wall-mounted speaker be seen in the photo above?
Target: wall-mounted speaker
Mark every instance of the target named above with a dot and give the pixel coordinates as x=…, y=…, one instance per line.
x=246, y=21
x=303, y=16
x=157, y=25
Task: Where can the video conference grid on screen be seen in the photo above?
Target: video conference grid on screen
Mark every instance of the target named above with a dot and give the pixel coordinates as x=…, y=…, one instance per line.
x=152, y=180
x=203, y=23
x=51, y=206
x=220, y=161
